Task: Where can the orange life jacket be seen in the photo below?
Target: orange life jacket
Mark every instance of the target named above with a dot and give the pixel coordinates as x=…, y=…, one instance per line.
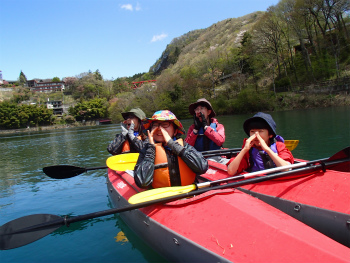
x=126, y=145
x=161, y=176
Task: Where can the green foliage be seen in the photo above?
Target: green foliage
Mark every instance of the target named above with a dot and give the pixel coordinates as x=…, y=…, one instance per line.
x=98, y=75
x=282, y=84
x=13, y=116
x=89, y=110
x=56, y=79
x=232, y=63
x=22, y=79
x=249, y=101
x=69, y=119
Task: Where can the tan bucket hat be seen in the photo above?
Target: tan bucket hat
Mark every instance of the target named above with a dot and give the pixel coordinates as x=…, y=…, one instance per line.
x=203, y=102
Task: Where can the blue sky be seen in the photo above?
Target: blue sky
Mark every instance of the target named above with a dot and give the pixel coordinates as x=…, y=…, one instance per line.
x=63, y=38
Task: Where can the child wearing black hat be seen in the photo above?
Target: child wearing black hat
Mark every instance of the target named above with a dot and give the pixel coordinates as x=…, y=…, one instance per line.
x=264, y=149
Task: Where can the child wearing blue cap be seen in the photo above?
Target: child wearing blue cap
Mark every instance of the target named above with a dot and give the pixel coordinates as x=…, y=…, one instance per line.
x=264, y=149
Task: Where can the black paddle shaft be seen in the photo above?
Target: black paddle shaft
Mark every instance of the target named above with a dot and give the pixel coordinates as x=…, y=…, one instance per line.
x=28, y=229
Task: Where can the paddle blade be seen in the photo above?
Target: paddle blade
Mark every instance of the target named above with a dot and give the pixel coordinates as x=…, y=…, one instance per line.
x=63, y=171
x=27, y=229
x=122, y=162
x=343, y=154
x=291, y=144
x=159, y=193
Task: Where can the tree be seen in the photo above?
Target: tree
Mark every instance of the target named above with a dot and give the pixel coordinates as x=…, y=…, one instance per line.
x=22, y=79
x=56, y=79
x=98, y=75
x=89, y=110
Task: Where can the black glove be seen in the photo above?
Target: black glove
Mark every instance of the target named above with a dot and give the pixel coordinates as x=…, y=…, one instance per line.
x=204, y=120
x=197, y=122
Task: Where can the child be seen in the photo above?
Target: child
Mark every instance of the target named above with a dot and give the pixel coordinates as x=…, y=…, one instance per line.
x=166, y=160
x=206, y=133
x=131, y=139
x=263, y=149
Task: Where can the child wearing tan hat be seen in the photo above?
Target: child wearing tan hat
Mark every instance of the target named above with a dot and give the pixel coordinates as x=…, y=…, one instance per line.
x=206, y=133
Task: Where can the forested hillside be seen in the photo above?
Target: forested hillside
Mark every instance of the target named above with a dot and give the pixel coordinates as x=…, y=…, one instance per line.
x=294, y=55
x=262, y=61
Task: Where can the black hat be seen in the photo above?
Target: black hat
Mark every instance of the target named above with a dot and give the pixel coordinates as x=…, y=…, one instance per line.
x=260, y=121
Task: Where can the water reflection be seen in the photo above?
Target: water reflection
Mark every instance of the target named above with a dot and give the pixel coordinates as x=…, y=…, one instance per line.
x=148, y=253
x=25, y=189
x=81, y=225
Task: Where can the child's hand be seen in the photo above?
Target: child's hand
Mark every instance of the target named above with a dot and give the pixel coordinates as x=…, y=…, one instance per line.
x=150, y=136
x=249, y=142
x=124, y=128
x=166, y=135
x=262, y=143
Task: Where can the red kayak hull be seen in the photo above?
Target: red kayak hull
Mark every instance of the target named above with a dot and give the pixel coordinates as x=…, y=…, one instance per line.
x=223, y=226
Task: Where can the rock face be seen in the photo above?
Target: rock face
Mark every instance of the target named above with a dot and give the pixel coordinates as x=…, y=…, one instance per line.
x=161, y=64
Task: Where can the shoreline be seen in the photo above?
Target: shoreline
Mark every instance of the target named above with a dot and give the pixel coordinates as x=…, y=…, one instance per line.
x=340, y=101
x=46, y=128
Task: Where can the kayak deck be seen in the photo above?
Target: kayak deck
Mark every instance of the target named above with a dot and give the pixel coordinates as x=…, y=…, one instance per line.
x=325, y=190
x=223, y=226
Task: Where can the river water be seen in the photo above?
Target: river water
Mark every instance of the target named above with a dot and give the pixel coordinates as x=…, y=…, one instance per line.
x=25, y=189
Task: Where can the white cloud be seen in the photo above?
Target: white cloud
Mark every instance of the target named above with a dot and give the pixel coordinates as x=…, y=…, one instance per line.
x=130, y=7
x=159, y=37
x=138, y=7
x=127, y=7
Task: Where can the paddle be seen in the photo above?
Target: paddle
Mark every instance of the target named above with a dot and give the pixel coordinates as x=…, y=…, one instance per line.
x=121, y=162
x=290, y=144
x=163, y=192
x=158, y=193
x=28, y=229
x=128, y=161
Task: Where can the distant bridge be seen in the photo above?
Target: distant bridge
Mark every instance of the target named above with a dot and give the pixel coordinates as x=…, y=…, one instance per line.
x=138, y=84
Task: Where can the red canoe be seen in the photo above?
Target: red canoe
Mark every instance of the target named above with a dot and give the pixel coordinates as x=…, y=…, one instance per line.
x=229, y=225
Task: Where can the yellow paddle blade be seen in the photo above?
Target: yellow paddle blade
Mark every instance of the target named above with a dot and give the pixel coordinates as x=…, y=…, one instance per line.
x=159, y=193
x=291, y=144
x=122, y=162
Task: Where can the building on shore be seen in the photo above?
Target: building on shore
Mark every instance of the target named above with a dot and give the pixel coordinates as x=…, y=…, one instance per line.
x=45, y=85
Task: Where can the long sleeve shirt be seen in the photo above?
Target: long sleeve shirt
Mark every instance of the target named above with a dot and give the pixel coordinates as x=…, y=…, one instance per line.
x=116, y=146
x=282, y=150
x=218, y=136
x=144, y=169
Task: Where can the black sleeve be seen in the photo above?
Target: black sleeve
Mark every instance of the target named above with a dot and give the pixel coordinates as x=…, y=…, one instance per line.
x=144, y=169
x=116, y=146
x=137, y=145
x=193, y=159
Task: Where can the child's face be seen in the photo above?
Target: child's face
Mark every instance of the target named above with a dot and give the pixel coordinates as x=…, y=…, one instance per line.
x=133, y=119
x=158, y=134
x=264, y=134
x=202, y=109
